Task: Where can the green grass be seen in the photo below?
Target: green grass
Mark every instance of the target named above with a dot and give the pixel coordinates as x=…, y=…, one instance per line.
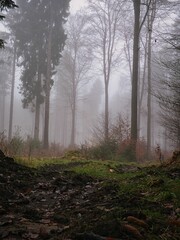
x=39, y=162
x=99, y=165
x=151, y=182
x=147, y=189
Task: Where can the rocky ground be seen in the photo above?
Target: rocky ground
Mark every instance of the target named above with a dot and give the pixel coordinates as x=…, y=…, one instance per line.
x=56, y=203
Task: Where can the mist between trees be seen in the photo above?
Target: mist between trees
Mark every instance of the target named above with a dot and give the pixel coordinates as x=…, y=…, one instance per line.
x=106, y=77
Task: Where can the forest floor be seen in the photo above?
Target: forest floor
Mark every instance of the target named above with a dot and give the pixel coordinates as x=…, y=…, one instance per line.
x=58, y=202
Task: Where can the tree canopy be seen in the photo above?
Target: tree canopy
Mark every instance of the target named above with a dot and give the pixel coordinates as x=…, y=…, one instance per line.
x=5, y=5
x=30, y=26
x=38, y=30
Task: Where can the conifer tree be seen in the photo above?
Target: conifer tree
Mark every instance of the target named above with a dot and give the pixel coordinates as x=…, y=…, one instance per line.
x=40, y=38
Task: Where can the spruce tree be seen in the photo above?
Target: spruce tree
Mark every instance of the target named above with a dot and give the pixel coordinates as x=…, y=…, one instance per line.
x=40, y=39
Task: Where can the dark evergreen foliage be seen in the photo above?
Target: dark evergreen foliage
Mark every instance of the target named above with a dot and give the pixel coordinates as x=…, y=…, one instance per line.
x=30, y=26
x=5, y=5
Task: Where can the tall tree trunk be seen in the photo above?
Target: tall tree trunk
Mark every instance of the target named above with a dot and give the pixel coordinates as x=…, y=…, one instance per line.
x=37, y=117
x=65, y=127
x=106, y=112
x=12, y=93
x=178, y=138
x=48, y=78
x=73, y=106
x=128, y=55
x=149, y=99
x=3, y=109
x=2, y=101
x=73, y=123
x=141, y=85
x=73, y=127
x=151, y=17
x=135, y=71
x=138, y=101
x=37, y=110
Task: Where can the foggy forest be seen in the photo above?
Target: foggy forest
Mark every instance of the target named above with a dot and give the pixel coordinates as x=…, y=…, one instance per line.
x=89, y=119
x=80, y=79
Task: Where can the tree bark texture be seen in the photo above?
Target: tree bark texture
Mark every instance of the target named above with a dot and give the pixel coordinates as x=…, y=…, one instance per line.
x=106, y=112
x=37, y=110
x=135, y=71
x=2, y=100
x=12, y=94
x=142, y=86
x=48, y=78
x=151, y=17
x=73, y=110
x=149, y=98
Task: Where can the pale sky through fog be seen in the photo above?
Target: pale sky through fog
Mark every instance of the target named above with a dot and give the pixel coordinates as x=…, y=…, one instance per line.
x=76, y=5
x=117, y=78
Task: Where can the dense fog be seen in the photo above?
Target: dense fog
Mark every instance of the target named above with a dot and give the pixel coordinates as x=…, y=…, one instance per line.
x=86, y=49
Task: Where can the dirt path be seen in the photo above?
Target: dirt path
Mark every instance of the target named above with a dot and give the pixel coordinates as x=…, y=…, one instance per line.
x=55, y=203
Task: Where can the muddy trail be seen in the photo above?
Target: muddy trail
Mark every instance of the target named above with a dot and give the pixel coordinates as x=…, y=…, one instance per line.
x=56, y=203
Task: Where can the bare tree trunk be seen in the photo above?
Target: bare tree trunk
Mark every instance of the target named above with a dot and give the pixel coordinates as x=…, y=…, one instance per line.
x=65, y=126
x=149, y=99
x=106, y=112
x=141, y=85
x=73, y=128
x=37, y=118
x=12, y=93
x=73, y=124
x=2, y=101
x=73, y=106
x=37, y=110
x=128, y=54
x=3, y=110
x=138, y=101
x=48, y=78
x=149, y=117
x=135, y=73
x=178, y=139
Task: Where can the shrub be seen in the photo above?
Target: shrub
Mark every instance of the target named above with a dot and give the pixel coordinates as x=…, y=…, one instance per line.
x=16, y=146
x=3, y=142
x=32, y=145
x=105, y=150
x=126, y=150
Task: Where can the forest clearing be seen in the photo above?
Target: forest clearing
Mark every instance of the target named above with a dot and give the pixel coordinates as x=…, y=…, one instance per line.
x=89, y=200
x=89, y=119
